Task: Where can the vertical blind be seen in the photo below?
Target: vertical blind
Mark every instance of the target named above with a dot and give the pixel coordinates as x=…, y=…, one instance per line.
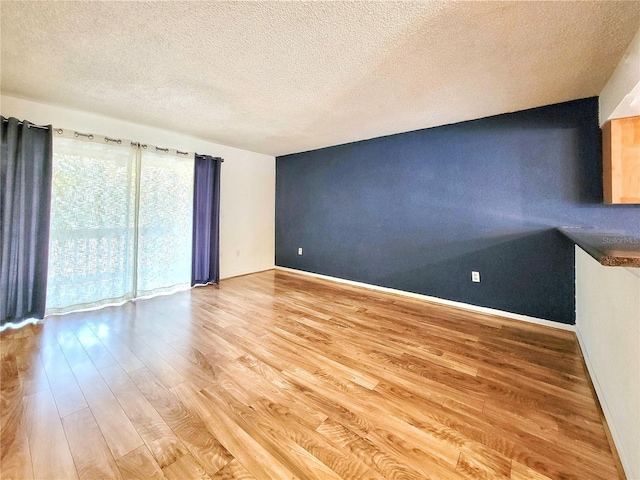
x=121, y=221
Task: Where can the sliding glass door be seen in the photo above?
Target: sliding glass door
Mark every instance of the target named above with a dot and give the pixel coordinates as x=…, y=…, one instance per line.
x=164, y=223
x=120, y=222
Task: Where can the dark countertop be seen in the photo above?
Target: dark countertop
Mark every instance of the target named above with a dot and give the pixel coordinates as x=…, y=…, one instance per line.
x=608, y=248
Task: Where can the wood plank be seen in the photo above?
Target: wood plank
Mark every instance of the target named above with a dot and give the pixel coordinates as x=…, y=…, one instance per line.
x=288, y=424
x=300, y=461
x=15, y=455
x=522, y=472
x=90, y=452
x=255, y=458
x=154, y=362
x=233, y=471
x=65, y=389
x=483, y=466
x=164, y=445
x=185, y=423
x=410, y=445
x=139, y=463
x=97, y=352
x=367, y=451
x=185, y=467
x=50, y=454
x=119, y=433
x=122, y=354
x=15, y=463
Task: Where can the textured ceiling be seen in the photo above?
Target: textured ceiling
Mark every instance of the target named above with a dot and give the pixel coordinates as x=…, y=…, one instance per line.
x=284, y=77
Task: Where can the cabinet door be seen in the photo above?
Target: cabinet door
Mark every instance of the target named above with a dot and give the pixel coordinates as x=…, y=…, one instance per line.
x=621, y=160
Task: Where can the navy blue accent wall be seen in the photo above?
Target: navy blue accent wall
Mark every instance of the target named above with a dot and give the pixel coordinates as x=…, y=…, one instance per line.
x=419, y=211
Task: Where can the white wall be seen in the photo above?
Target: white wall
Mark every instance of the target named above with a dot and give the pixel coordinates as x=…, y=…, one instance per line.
x=608, y=328
x=247, y=197
x=621, y=95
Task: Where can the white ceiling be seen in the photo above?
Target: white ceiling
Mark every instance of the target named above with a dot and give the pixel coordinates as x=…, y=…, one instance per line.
x=283, y=77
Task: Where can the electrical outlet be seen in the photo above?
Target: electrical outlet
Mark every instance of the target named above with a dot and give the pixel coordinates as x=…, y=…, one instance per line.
x=300, y=251
x=475, y=277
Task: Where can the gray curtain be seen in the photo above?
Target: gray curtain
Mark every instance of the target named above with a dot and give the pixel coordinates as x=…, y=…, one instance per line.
x=205, y=266
x=25, y=201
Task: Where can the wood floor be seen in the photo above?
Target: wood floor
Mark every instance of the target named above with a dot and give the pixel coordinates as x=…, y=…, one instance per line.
x=277, y=375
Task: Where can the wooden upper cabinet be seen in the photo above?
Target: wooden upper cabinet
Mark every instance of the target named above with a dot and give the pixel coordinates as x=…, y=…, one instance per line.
x=621, y=160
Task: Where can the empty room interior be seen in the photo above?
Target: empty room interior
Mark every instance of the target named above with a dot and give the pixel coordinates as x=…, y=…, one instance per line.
x=320, y=240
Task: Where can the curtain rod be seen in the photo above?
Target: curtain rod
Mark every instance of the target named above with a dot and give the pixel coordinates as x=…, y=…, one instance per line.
x=119, y=141
x=210, y=156
x=60, y=131
x=29, y=125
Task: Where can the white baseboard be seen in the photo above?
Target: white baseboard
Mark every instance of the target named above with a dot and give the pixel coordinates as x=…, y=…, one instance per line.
x=624, y=458
x=236, y=275
x=451, y=303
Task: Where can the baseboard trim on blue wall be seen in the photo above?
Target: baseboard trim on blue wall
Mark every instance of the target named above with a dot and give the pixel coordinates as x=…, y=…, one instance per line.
x=615, y=438
x=451, y=303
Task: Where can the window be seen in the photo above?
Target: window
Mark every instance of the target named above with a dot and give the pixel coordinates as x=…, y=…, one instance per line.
x=121, y=222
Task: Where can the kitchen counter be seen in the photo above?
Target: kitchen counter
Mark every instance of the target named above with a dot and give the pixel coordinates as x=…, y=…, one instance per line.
x=610, y=249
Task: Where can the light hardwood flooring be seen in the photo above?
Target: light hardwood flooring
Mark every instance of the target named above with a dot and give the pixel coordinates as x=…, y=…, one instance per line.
x=277, y=375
